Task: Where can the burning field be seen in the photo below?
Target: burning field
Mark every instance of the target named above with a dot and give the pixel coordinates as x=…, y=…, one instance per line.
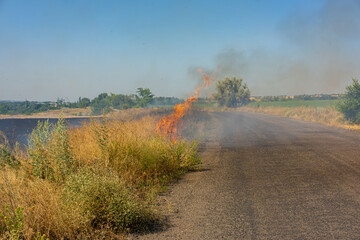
x=99, y=179
x=169, y=125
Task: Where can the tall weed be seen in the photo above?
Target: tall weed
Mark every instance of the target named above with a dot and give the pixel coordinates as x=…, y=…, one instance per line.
x=97, y=201
x=49, y=153
x=6, y=155
x=39, y=151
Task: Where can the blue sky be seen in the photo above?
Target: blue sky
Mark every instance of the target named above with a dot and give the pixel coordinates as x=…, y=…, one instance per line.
x=67, y=49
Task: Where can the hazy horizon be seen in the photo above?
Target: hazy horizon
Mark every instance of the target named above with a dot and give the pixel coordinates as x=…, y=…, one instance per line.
x=68, y=49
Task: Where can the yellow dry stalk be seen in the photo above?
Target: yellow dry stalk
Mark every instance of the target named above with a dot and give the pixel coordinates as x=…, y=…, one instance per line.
x=327, y=115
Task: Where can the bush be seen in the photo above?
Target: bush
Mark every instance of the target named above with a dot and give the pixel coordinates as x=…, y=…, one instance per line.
x=231, y=92
x=133, y=150
x=350, y=106
x=6, y=155
x=99, y=201
x=49, y=152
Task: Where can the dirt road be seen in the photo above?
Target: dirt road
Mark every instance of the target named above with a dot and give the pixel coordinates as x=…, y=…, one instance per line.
x=267, y=177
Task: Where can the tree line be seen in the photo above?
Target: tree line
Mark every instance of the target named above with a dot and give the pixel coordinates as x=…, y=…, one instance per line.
x=103, y=102
x=230, y=92
x=25, y=107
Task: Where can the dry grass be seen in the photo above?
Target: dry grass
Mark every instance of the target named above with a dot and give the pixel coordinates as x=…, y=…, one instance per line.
x=65, y=112
x=98, y=181
x=131, y=148
x=327, y=115
x=86, y=112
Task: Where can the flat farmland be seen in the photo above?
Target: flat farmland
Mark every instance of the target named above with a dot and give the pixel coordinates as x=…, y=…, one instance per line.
x=297, y=103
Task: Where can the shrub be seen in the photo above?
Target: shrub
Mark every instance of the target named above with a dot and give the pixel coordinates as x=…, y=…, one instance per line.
x=49, y=153
x=232, y=92
x=38, y=151
x=61, y=151
x=6, y=155
x=133, y=150
x=98, y=201
x=350, y=106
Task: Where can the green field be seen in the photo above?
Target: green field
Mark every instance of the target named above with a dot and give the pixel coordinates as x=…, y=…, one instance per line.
x=205, y=104
x=286, y=103
x=297, y=103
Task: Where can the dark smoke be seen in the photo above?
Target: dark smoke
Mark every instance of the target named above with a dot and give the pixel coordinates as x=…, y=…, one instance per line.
x=319, y=53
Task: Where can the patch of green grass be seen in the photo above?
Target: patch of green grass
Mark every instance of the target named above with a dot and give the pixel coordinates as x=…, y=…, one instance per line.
x=297, y=103
x=205, y=104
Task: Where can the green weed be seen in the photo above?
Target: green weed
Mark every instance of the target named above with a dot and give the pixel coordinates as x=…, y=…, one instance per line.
x=13, y=219
x=104, y=201
x=49, y=153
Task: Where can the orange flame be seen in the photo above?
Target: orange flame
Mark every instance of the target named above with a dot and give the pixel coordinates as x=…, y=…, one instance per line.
x=168, y=125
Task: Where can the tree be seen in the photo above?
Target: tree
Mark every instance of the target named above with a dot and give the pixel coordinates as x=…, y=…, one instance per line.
x=121, y=101
x=100, y=97
x=350, y=106
x=232, y=92
x=144, y=97
x=100, y=104
x=83, y=102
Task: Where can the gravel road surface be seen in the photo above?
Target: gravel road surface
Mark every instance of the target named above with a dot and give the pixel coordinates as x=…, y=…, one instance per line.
x=268, y=177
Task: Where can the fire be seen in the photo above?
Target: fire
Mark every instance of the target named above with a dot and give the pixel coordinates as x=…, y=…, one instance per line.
x=168, y=125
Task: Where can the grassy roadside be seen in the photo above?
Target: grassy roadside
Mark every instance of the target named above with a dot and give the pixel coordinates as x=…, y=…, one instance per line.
x=328, y=115
x=317, y=111
x=98, y=181
x=297, y=103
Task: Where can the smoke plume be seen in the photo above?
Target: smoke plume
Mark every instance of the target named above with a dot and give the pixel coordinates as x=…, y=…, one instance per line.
x=318, y=53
